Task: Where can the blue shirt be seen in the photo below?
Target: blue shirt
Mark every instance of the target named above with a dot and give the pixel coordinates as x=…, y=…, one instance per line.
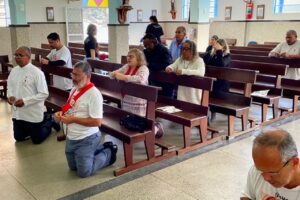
x=176, y=49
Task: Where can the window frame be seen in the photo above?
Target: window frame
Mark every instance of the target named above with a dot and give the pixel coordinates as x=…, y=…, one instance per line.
x=280, y=6
x=5, y=13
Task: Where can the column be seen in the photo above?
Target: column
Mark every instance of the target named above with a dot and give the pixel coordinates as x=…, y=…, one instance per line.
x=19, y=29
x=199, y=21
x=118, y=39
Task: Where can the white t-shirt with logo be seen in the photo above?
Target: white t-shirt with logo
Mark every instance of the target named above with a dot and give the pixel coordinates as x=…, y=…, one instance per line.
x=65, y=55
x=294, y=49
x=89, y=105
x=259, y=189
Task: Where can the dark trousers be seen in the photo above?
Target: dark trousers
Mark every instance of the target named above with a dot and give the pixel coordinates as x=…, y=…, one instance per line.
x=38, y=132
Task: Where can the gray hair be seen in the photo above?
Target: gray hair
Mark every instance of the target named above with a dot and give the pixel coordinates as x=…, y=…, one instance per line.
x=85, y=67
x=292, y=32
x=280, y=139
x=26, y=49
x=181, y=29
x=193, y=47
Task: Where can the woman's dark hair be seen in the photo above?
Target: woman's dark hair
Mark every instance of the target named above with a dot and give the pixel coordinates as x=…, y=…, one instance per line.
x=91, y=29
x=153, y=18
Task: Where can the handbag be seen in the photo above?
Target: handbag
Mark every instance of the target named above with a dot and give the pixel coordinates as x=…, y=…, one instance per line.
x=134, y=123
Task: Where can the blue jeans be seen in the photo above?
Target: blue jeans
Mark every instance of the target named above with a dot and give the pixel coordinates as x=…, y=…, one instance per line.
x=81, y=155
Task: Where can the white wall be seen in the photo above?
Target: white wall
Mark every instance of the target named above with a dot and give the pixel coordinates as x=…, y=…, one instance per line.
x=239, y=9
x=36, y=9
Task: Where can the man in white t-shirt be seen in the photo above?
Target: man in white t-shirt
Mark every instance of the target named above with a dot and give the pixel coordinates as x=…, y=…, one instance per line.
x=276, y=171
x=27, y=92
x=290, y=49
x=82, y=115
x=59, y=56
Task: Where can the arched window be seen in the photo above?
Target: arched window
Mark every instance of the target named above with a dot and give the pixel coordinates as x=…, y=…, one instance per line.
x=4, y=13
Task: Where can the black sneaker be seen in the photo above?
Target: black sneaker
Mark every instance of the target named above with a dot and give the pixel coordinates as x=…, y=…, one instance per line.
x=114, y=149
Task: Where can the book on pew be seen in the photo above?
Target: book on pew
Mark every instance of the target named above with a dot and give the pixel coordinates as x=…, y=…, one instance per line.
x=169, y=109
x=261, y=93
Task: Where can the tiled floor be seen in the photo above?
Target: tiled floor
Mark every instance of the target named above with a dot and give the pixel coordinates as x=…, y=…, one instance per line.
x=30, y=171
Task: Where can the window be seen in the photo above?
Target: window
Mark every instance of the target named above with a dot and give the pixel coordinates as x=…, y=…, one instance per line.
x=213, y=9
x=4, y=13
x=185, y=9
x=286, y=6
x=99, y=17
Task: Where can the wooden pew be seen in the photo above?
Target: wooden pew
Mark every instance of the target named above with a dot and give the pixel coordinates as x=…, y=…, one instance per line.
x=45, y=46
x=104, y=65
x=291, y=90
x=4, y=63
x=112, y=116
x=232, y=105
x=192, y=115
x=36, y=53
x=77, y=53
x=249, y=52
x=102, y=46
x=108, y=67
x=269, y=78
x=292, y=63
x=253, y=48
x=263, y=45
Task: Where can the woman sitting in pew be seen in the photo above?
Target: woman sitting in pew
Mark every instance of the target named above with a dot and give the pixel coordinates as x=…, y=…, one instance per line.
x=189, y=63
x=136, y=71
x=219, y=56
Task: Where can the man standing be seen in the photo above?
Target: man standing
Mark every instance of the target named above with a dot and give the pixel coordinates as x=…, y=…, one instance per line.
x=290, y=49
x=27, y=91
x=82, y=114
x=158, y=58
x=59, y=56
x=176, y=45
x=276, y=174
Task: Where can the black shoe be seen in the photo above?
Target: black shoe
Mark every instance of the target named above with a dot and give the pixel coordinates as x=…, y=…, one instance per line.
x=114, y=149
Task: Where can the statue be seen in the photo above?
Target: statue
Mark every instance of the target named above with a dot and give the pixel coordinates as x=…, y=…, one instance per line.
x=173, y=11
x=122, y=11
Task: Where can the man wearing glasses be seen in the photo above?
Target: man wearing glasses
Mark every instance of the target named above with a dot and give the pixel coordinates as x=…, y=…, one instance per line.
x=276, y=174
x=27, y=91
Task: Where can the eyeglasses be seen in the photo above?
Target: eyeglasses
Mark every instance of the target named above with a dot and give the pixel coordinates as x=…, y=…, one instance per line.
x=278, y=171
x=17, y=55
x=186, y=49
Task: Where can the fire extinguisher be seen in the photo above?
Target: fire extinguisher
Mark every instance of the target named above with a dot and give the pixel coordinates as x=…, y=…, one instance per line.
x=249, y=10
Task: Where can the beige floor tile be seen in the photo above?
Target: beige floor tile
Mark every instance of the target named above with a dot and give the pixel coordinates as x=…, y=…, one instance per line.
x=214, y=175
x=11, y=189
x=46, y=174
x=146, y=188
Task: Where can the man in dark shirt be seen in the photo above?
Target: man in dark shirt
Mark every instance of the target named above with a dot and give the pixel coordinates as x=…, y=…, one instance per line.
x=158, y=58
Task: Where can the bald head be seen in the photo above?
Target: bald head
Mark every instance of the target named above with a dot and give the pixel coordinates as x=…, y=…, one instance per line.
x=277, y=139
